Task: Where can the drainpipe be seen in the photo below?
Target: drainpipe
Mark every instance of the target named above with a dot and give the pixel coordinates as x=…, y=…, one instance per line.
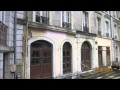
x=15, y=23
x=26, y=40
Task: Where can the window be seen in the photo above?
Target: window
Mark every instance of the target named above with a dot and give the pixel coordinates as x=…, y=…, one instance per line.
x=99, y=25
x=85, y=21
x=114, y=14
x=67, y=52
x=3, y=33
x=42, y=17
x=115, y=30
x=107, y=28
x=2, y=16
x=66, y=19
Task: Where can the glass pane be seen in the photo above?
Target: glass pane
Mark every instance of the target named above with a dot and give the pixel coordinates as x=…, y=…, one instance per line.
x=37, y=18
x=63, y=53
x=68, y=65
x=63, y=66
x=37, y=61
x=68, y=59
x=33, y=61
x=45, y=54
x=33, y=53
x=68, y=53
x=64, y=59
x=37, y=53
x=49, y=53
x=47, y=60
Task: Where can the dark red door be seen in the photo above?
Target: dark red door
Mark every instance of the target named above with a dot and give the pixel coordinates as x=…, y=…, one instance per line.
x=41, y=60
x=85, y=57
x=66, y=58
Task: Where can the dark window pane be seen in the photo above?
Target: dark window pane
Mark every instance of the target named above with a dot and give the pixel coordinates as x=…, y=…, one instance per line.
x=68, y=59
x=37, y=18
x=37, y=53
x=63, y=66
x=68, y=53
x=68, y=65
x=63, y=53
x=37, y=61
x=49, y=53
x=33, y=61
x=64, y=59
x=47, y=60
x=33, y=53
x=45, y=54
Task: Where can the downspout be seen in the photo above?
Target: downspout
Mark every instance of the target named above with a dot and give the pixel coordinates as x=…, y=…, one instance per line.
x=15, y=23
x=112, y=43
x=26, y=46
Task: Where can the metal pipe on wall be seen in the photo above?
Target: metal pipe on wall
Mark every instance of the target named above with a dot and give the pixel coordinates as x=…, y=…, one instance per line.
x=15, y=23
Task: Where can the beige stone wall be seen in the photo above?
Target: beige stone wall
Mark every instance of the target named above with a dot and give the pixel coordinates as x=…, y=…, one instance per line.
x=59, y=38
x=104, y=43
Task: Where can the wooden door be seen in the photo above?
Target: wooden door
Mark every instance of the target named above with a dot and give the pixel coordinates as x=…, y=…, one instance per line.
x=41, y=60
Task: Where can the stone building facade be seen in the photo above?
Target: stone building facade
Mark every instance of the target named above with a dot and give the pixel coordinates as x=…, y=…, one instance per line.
x=58, y=44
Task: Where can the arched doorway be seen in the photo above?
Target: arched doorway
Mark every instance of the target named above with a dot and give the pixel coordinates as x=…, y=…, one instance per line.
x=41, y=60
x=85, y=56
x=67, y=53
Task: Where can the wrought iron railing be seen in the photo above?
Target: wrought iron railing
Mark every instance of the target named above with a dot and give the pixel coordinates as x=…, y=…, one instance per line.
x=41, y=19
x=107, y=34
x=3, y=34
x=99, y=33
x=86, y=29
x=66, y=25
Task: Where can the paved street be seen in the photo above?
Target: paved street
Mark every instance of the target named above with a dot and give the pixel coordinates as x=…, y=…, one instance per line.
x=114, y=74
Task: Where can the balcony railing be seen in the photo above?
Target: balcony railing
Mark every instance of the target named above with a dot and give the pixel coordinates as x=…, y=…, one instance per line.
x=116, y=37
x=107, y=34
x=3, y=34
x=85, y=29
x=41, y=19
x=99, y=33
x=66, y=25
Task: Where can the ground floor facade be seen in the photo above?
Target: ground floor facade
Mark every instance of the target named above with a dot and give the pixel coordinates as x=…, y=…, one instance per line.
x=56, y=55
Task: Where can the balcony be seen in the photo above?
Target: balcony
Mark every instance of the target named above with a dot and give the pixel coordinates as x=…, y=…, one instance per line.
x=66, y=25
x=41, y=19
x=107, y=34
x=115, y=37
x=99, y=33
x=85, y=29
x=3, y=34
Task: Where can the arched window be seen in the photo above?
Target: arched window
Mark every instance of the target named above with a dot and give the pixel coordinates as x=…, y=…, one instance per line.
x=85, y=56
x=67, y=52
